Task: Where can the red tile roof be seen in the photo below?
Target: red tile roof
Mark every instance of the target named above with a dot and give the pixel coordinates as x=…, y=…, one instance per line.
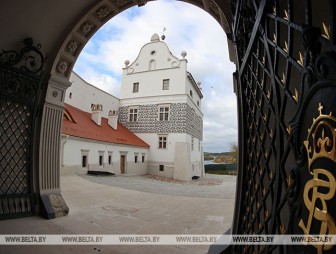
x=78, y=123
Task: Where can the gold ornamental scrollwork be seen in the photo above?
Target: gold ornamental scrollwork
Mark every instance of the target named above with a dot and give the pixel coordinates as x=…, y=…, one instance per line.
x=320, y=145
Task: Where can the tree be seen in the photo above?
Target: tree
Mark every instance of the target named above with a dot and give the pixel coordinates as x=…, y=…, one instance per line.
x=234, y=151
x=209, y=158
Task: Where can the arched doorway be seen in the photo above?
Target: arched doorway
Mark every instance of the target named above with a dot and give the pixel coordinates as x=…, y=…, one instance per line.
x=285, y=56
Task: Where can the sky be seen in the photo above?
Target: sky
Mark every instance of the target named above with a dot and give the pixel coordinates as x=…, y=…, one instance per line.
x=188, y=28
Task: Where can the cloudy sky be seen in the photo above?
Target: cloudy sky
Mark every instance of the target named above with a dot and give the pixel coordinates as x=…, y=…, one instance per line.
x=188, y=28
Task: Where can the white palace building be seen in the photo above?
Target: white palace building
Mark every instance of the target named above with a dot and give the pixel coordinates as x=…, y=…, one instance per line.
x=155, y=127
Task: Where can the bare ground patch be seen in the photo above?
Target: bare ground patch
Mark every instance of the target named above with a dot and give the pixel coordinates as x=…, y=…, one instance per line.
x=202, y=181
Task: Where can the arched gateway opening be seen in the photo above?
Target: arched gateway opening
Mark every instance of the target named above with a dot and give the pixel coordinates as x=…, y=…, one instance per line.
x=285, y=81
x=47, y=142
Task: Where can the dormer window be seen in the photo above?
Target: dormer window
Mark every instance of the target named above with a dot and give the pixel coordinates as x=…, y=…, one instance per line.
x=112, y=113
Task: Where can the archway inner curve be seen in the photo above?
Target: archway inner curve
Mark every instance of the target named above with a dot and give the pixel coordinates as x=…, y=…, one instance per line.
x=105, y=10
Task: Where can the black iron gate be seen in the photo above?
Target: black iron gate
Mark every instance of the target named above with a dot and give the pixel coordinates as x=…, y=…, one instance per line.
x=20, y=75
x=286, y=71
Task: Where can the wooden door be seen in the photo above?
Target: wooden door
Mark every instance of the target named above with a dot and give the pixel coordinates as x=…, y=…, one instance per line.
x=122, y=164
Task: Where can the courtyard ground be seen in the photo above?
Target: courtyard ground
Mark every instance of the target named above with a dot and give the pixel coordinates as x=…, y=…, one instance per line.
x=116, y=205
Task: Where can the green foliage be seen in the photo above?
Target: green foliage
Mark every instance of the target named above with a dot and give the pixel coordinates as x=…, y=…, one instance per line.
x=221, y=169
x=209, y=158
x=214, y=167
x=222, y=172
x=216, y=154
x=234, y=151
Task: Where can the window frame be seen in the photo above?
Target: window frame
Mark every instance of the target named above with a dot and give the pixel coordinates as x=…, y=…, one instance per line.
x=101, y=158
x=85, y=152
x=109, y=160
x=132, y=115
x=84, y=161
x=162, y=141
x=135, y=87
x=165, y=114
x=165, y=84
x=136, y=155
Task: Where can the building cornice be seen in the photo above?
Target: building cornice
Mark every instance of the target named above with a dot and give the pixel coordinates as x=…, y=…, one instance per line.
x=193, y=82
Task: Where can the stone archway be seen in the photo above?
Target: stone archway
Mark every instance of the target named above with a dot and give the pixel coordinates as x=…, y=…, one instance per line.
x=105, y=10
x=61, y=69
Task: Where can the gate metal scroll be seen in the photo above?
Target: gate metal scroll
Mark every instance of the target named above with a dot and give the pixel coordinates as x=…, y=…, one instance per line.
x=20, y=75
x=286, y=68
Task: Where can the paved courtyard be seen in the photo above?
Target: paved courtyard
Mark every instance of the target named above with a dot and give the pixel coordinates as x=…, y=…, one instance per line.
x=211, y=186
x=123, y=205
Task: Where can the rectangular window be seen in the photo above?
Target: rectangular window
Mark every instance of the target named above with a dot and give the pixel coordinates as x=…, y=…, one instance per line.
x=85, y=157
x=84, y=161
x=161, y=167
x=135, y=87
x=164, y=112
x=136, y=159
x=162, y=142
x=100, y=160
x=192, y=144
x=133, y=115
x=165, y=84
x=109, y=158
x=143, y=159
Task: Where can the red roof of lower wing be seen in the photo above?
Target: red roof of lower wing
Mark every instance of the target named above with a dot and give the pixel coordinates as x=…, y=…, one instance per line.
x=78, y=123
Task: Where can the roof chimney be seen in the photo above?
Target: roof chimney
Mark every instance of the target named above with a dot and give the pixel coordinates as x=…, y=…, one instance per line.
x=113, y=119
x=97, y=110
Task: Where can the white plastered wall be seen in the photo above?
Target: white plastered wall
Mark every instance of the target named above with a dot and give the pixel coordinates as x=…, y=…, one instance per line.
x=81, y=95
x=167, y=66
x=74, y=148
x=196, y=156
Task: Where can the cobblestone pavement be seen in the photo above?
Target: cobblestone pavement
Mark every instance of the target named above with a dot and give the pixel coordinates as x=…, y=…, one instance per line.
x=211, y=186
